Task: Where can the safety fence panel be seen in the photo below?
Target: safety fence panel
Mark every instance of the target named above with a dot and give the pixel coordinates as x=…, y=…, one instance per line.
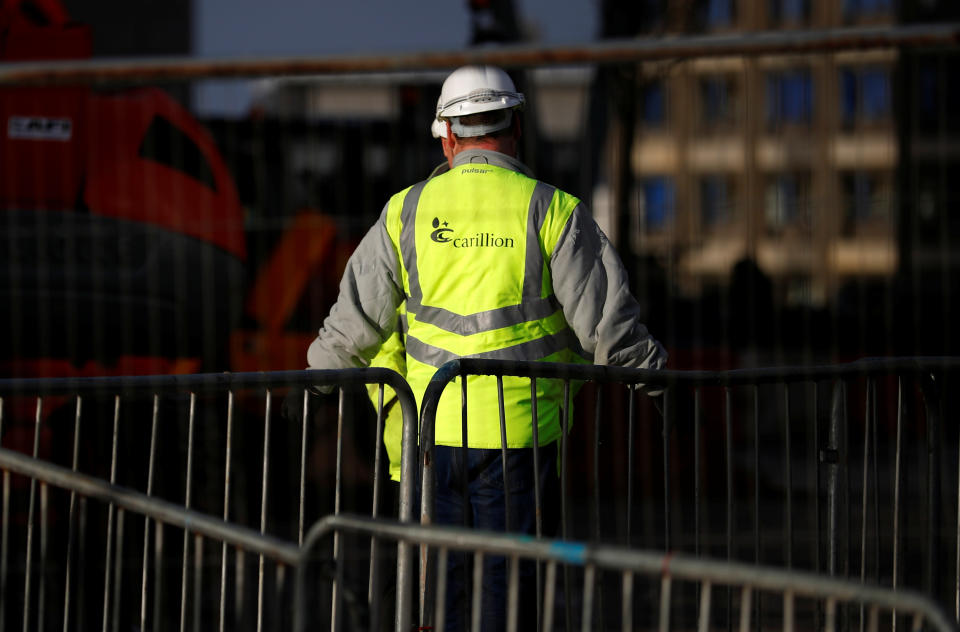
x=58, y=583
x=651, y=590
x=848, y=470
x=230, y=445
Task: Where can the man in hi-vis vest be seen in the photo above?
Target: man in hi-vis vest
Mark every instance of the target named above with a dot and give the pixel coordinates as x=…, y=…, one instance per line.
x=491, y=263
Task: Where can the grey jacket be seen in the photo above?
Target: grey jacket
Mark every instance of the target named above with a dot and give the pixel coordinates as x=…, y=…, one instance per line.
x=589, y=282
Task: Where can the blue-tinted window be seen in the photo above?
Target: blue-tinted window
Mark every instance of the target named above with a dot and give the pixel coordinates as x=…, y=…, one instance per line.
x=789, y=10
x=875, y=87
x=719, y=13
x=787, y=201
x=717, y=100
x=790, y=97
x=658, y=198
x=867, y=196
x=864, y=95
x=654, y=104
x=853, y=9
x=716, y=204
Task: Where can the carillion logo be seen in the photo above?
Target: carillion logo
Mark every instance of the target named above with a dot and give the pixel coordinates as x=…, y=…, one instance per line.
x=442, y=233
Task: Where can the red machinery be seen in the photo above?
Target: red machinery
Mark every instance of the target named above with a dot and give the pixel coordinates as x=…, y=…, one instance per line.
x=121, y=236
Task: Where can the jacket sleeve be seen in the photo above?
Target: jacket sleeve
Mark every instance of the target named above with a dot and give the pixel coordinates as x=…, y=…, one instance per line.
x=591, y=284
x=365, y=313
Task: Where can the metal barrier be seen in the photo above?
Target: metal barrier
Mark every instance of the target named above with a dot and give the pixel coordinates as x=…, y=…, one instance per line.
x=185, y=441
x=656, y=591
x=646, y=579
x=843, y=469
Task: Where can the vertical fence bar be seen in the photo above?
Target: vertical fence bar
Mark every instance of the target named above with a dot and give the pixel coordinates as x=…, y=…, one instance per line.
x=503, y=455
x=440, y=605
x=788, y=471
x=598, y=409
x=666, y=584
x=227, y=464
x=118, y=569
x=789, y=615
x=817, y=481
x=28, y=567
x=264, y=486
x=464, y=446
x=746, y=607
x=4, y=535
x=597, y=412
x=197, y=580
x=728, y=446
x=626, y=606
x=44, y=535
x=187, y=502
x=513, y=594
x=931, y=395
x=589, y=577
x=71, y=522
x=373, y=583
x=831, y=456
x=697, y=484
x=549, y=595
x=158, y=546
x=564, y=471
x=755, y=391
x=303, y=455
x=703, y=620
x=865, y=495
x=476, y=599
x=151, y=468
x=897, y=480
x=667, y=427
x=335, y=603
x=537, y=500
x=110, y=513
x=82, y=560
x=631, y=431
x=876, y=485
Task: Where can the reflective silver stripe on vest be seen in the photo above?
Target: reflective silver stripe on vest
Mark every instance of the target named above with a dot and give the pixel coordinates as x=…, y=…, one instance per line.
x=408, y=243
x=533, y=266
x=532, y=306
x=530, y=350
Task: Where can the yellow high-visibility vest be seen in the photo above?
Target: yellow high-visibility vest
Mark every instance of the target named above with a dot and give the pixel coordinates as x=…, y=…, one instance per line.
x=474, y=246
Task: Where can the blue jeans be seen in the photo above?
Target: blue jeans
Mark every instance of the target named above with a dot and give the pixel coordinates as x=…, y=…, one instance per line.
x=480, y=502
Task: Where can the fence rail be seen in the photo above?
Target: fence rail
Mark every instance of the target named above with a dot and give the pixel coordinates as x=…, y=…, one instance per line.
x=799, y=593
x=197, y=442
x=607, y=52
x=838, y=469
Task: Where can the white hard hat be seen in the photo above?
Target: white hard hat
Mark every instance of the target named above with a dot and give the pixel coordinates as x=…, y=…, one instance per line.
x=474, y=89
x=438, y=128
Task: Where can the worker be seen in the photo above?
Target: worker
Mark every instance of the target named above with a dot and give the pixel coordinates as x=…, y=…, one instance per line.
x=490, y=263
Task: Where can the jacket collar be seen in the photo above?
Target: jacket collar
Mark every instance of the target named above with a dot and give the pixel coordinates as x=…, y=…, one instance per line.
x=495, y=158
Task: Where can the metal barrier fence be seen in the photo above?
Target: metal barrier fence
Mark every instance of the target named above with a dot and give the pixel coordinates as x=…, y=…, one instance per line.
x=655, y=590
x=196, y=442
x=647, y=580
x=845, y=470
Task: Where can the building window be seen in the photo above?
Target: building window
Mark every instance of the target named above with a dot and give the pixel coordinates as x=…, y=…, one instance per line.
x=719, y=102
x=653, y=103
x=865, y=96
x=657, y=203
x=716, y=14
x=716, y=201
x=857, y=9
x=789, y=11
x=790, y=98
x=788, y=202
x=867, y=199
